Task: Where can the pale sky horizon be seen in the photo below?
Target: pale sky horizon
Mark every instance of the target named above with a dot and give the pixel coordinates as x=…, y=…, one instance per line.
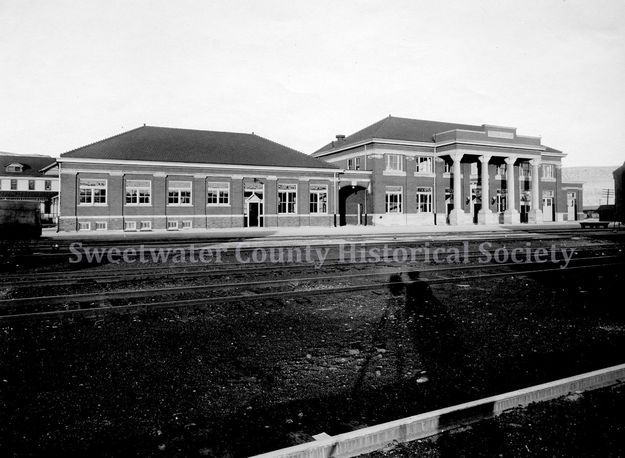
x=300, y=72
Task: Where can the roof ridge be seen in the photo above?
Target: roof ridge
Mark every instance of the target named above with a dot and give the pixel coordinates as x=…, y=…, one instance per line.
x=104, y=139
x=201, y=130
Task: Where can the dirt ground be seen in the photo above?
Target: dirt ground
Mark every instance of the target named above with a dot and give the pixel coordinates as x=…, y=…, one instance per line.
x=249, y=377
x=579, y=425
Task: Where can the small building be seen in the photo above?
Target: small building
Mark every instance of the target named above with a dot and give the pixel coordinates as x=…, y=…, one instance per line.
x=430, y=172
x=619, y=190
x=176, y=179
x=27, y=178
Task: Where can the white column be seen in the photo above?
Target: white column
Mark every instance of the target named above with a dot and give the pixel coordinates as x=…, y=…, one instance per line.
x=456, y=215
x=535, y=214
x=484, y=216
x=511, y=215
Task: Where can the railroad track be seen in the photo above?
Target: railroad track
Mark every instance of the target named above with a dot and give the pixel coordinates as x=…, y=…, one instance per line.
x=74, y=304
x=187, y=270
x=54, y=248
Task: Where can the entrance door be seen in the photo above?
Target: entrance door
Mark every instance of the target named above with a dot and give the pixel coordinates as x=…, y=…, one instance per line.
x=449, y=203
x=476, y=201
x=525, y=206
x=254, y=211
x=571, y=200
x=548, y=209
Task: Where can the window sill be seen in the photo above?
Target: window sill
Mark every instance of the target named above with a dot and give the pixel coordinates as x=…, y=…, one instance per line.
x=180, y=205
x=394, y=173
x=424, y=174
x=548, y=180
x=93, y=205
x=218, y=205
x=137, y=205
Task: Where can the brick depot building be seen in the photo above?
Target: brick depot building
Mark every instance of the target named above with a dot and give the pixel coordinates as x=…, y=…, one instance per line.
x=164, y=178
x=397, y=171
x=427, y=172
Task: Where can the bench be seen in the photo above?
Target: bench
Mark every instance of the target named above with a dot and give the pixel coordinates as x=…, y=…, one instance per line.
x=594, y=224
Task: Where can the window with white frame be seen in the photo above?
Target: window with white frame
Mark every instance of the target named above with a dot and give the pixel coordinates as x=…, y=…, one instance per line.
x=217, y=193
x=138, y=192
x=318, y=199
x=187, y=224
x=448, y=167
x=350, y=164
x=393, y=199
x=101, y=225
x=172, y=225
x=130, y=225
x=84, y=226
x=502, y=169
x=145, y=225
x=15, y=168
x=13, y=184
x=48, y=185
x=287, y=198
x=92, y=191
x=179, y=193
x=31, y=185
x=424, y=164
x=424, y=200
x=394, y=162
x=356, y=163
x=525, y=171
x=549, y=171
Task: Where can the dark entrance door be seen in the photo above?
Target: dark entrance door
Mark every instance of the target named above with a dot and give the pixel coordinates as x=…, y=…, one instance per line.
x=254, y=212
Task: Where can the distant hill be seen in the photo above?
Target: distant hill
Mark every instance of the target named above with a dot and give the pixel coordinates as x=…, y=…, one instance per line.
x=595, y=179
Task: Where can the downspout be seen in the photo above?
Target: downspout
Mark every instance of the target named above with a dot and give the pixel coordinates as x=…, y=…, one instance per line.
x=335, y=197
x=58, y=213
x=368, y=187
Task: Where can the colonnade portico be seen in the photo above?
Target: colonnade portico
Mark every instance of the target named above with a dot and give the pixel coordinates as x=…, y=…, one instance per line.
x=485, y=215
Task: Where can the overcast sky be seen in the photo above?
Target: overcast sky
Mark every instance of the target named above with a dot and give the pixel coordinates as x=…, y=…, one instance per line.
x=299, y=72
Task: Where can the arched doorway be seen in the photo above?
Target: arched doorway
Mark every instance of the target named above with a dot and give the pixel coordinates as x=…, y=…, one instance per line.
x=352, y=205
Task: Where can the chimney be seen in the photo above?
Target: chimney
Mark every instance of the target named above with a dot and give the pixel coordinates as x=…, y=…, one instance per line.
x=340, y=138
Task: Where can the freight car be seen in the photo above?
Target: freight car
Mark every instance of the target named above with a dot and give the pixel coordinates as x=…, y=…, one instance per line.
x=19, y=220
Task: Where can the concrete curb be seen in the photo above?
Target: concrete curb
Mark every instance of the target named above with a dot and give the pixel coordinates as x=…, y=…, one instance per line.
x=427, y=424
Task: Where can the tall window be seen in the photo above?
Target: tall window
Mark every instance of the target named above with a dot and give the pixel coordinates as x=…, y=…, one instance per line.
x=138, y=192
x=31, y=185
x=287, y=198
x=13, y=184
x=318, y=199
x=424, y=164
x=502, y=169
x=217, y=194
x=394, y=162
x=448, y=167
x=525, y=170
x=424, y=200
x=473, y=169
x=179, y=193
x=48, y=185
x=394, y=199
x=92, y=191
x=353, y=164
x=549, y=171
